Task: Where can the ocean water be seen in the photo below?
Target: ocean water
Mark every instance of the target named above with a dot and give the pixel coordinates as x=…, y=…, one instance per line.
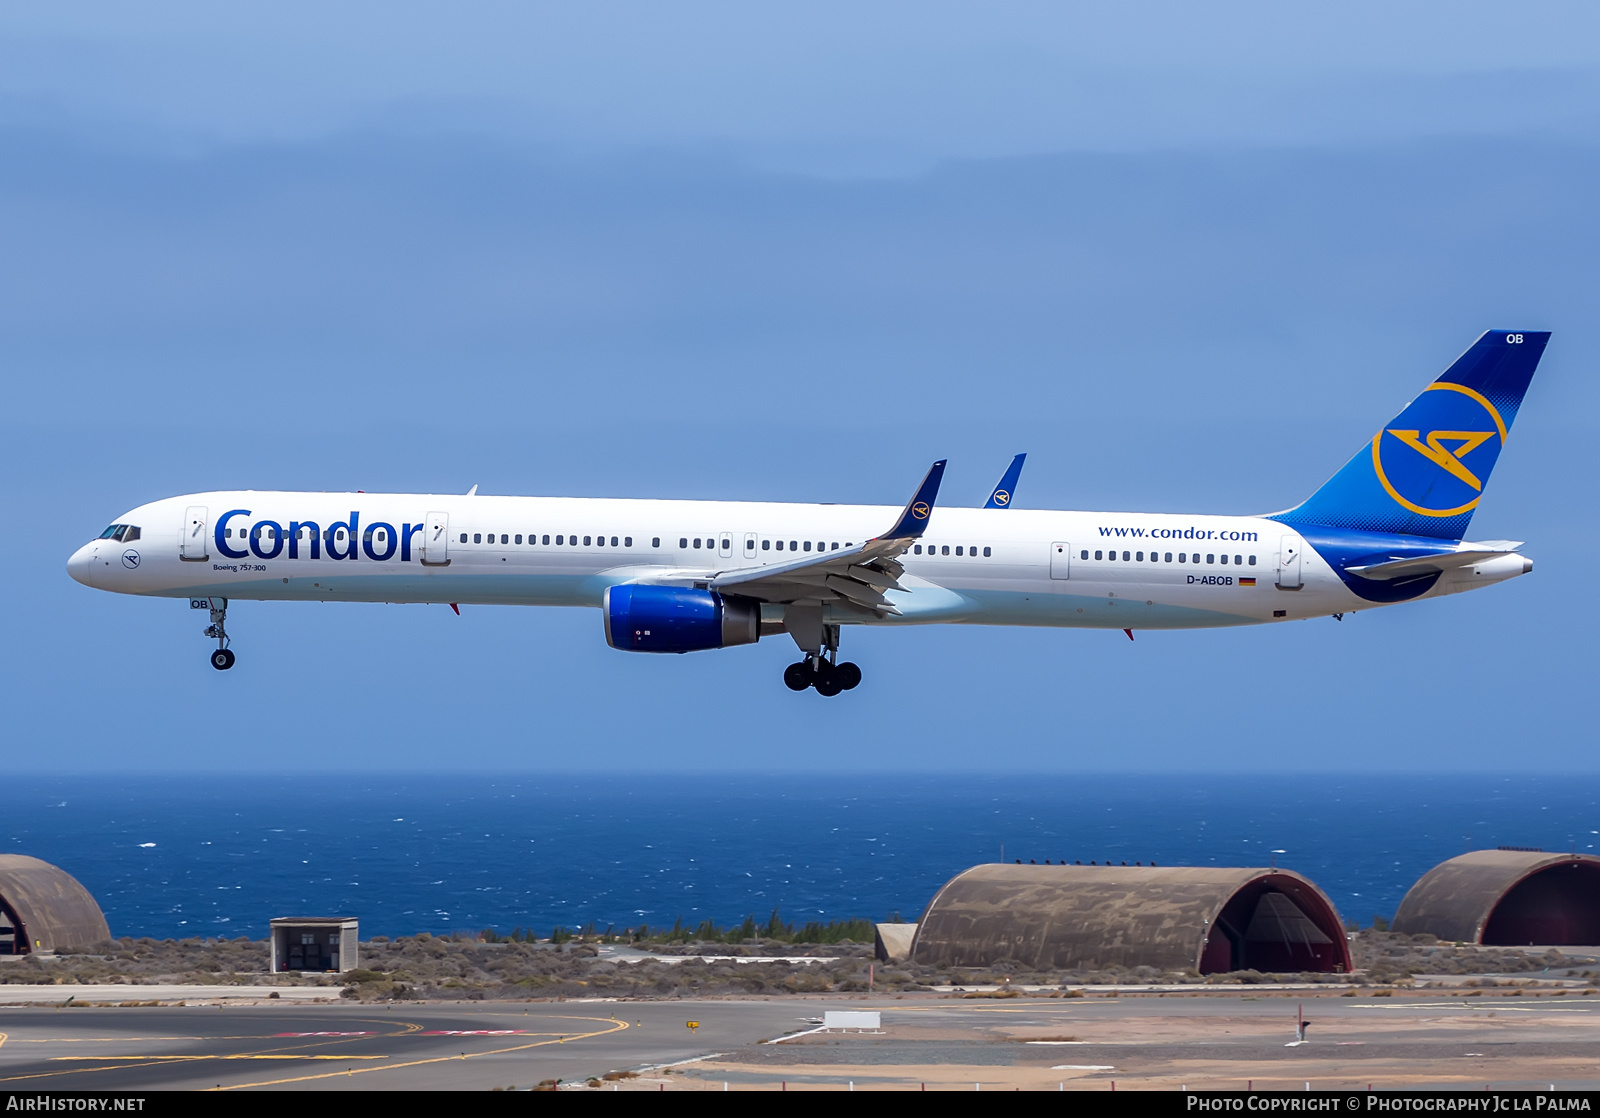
x=220, y=856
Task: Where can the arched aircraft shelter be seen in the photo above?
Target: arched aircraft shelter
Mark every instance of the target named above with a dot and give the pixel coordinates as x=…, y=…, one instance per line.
x=1171, y=918
x=44, y=908
x=1508, y=897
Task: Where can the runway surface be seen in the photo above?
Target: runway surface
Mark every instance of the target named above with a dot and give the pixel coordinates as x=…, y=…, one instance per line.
x=1200, y=1041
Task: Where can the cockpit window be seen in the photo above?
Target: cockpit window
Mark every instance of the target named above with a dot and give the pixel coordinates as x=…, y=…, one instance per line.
x=131, y=534
x=111, y=532
x=122, y=533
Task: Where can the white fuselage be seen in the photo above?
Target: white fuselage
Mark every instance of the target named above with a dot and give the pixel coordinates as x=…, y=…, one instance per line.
x=974, y=566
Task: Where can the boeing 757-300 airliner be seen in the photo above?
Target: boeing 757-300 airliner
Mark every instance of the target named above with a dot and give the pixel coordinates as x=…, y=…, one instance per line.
x=685, y=576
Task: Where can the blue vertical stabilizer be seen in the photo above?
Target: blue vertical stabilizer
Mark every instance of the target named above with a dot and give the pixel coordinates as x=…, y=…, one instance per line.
x=1424, y=472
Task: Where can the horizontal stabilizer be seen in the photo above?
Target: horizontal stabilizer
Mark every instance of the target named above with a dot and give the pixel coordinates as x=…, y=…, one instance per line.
x=1467, y=555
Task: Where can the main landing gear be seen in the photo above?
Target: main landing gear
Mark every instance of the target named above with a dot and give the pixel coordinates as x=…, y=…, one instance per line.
x=222, y=658
x=828, y=678
x=820, y=668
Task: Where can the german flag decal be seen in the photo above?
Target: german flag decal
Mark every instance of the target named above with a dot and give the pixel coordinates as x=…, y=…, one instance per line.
x=1247, y=582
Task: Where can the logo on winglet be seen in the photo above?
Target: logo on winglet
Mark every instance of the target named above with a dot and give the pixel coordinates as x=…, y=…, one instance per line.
x=920, y=510
x=1440, y=472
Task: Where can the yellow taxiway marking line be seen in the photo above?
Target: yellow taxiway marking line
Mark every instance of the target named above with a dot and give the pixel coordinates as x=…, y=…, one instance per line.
x=615, y=1026
x=239, y=1056
x=406, y=1027
x=2, y=1040
x=119, y=1039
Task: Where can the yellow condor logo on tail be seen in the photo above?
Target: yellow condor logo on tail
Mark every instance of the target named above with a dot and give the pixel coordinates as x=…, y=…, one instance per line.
x=920, y=510
x=1444, y=449
x=1001, y=497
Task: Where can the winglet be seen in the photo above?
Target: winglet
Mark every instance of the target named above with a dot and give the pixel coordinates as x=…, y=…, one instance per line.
x=1001, y=497
x=914, y=520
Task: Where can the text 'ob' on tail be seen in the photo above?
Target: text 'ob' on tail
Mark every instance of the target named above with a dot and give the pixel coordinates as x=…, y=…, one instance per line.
x=1425, y=470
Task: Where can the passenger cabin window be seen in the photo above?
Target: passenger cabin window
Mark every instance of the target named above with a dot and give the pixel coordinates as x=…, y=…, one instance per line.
x=519, y=537
x=944, y=549
x=1252, y=560
x=547, y=537
x=655, y=541
x=1211, y=558
x=766, y=545
x=683, y=541
x=986, y=553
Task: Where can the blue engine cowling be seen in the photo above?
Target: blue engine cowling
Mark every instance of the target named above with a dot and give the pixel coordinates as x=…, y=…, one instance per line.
x=677, y=619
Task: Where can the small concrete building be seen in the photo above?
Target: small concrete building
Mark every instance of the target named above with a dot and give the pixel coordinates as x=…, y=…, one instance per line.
x=315, y=943
x=1206, y=919
x=44, y=908
x=1509, y=897
x=892, y=943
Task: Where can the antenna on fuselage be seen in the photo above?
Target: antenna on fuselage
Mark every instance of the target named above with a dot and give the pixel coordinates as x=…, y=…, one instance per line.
x=473, y=492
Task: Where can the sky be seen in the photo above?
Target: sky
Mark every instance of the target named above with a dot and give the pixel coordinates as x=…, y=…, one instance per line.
x=1187, y=257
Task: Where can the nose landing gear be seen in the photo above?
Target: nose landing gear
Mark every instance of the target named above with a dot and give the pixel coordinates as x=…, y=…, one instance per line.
x=222, y=658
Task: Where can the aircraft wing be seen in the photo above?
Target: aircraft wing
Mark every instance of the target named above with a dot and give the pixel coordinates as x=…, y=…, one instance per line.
x=856, y=576
x=1467, y=555
x=1007, y=489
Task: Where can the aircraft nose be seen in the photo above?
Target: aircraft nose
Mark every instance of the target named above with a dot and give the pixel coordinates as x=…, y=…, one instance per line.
x=81, y=565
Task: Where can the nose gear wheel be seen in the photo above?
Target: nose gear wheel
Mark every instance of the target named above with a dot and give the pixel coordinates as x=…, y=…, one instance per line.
x=222, y=659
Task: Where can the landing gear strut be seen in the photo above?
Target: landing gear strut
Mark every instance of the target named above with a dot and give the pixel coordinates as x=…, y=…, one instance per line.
x=222, y=658
x=821, y=669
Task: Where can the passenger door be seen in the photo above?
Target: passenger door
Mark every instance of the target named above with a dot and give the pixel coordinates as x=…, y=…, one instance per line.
x=1289, y=563
x=436, y=540
x=1061, y=560
x=195, y=543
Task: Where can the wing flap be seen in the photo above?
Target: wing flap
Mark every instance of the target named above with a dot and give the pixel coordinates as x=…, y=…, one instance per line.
x=856, y=575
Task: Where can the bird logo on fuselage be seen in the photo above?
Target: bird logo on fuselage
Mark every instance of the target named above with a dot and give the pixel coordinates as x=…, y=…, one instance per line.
x=1439, y=472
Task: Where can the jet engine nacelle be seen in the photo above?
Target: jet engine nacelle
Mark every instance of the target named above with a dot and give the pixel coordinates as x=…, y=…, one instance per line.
x=677, y=619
